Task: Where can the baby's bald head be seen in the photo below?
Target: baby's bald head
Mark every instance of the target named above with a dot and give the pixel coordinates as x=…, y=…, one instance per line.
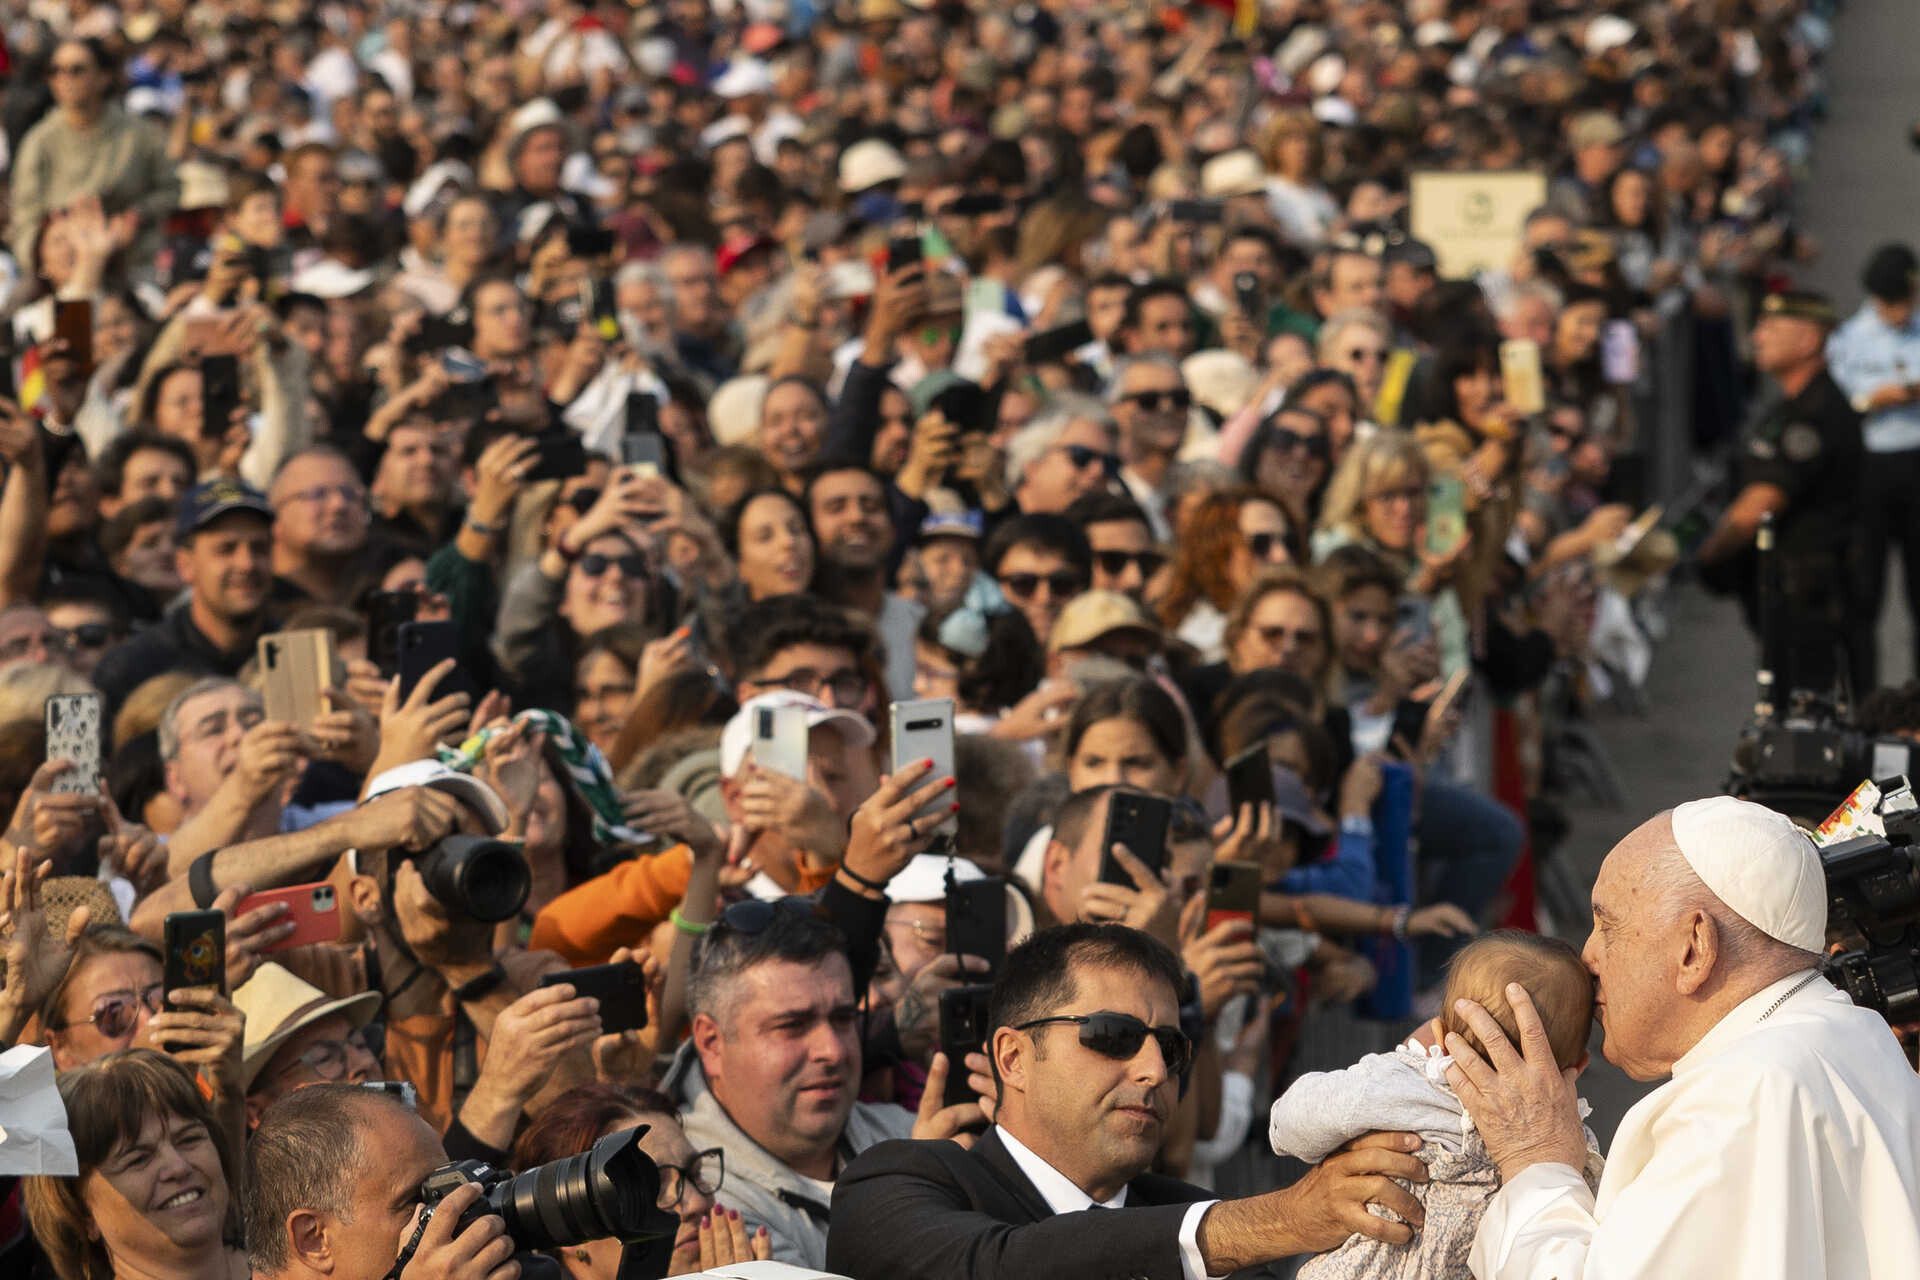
x=1551, y=971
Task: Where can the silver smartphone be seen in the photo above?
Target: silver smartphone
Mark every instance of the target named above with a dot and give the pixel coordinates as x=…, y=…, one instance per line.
x=780, y=740
x=923, y=730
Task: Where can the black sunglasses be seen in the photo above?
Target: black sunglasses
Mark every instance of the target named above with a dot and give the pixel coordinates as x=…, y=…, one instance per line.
x=1262, y=544
x=1153, y=401
x=1021, y=586
x=593, y=564
x=752, y=916
x=1083, y=456
x=1114, y=563
x=1285, y=441
x=1120, y=1035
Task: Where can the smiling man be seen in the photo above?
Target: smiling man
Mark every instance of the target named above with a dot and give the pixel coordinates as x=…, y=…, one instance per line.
x=1786, y=1145
x=847, y=503
x=1088, y=1052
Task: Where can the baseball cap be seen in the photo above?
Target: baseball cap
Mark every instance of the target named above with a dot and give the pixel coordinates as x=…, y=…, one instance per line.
x=1093, y=614
x=205, y=503
x=950, y=524
x=868, y=163
x=734, y=252
x=464, y=787
x=737, y=738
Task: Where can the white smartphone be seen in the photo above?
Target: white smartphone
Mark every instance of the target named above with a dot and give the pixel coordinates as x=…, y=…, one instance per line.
x=73, y=733
x=923, y=730
x=780, y=740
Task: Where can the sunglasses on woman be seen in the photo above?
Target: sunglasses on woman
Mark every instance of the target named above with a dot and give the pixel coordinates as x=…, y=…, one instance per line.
x=1154, y=401
x=1262, y=544
x=1120, y=1035
x=593, y=564
x=1281, y=440
x=116, y=1013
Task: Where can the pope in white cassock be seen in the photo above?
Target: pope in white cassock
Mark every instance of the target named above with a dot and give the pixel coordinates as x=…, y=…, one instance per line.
x=1786, y=1146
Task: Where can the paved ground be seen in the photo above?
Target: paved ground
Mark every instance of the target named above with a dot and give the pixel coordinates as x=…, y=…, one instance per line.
x=1865, y=190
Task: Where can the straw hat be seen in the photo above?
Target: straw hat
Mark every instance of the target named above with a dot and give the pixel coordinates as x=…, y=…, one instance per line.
x=277, y=1004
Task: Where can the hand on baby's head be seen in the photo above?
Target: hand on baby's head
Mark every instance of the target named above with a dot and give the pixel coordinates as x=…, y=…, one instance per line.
x=1553, y=974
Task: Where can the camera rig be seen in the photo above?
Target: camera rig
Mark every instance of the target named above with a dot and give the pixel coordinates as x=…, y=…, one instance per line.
x=1873, y=907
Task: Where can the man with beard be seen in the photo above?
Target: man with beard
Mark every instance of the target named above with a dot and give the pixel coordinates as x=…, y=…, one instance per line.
x=847, y=503
x=224, y=533
x=319, y=526
x=1150, y=402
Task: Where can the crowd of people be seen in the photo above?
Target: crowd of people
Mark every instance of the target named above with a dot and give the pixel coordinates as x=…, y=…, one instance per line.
x=715, y=363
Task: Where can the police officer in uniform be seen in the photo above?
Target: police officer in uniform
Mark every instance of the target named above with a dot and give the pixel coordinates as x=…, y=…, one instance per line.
x=1800, y=461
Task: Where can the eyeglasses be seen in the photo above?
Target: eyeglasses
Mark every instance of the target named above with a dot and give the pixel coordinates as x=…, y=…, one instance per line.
x=1283, y=440
x=1022, y=586
x=328, y=1058
x=69, y=69
x=934, y=936
x=215, y=725
x=1114, y=563
x=1277, y=636
x=351, y=494
x=932, y=333
x=593, y=564
x=1263, y=544
x=1408, y=495
x=92, y=635
x=1080, y=457
x=847, y=686
x=58, y=640
x=705, y=1174
x=116, y=1013
x=1154, y=401
x=1368, y=355
x=1120, y=1035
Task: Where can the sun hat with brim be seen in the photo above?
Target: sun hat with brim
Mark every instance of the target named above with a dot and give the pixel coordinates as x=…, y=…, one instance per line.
x=277, y=1004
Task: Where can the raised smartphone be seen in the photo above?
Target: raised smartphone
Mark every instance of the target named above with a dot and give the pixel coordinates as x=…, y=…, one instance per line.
x=312, y=909
x=977, y=921
x=963, y=1030
x=73, y=733
x=621, y=990
x=923, y=730
x=1140, y=822
x=1233, y=892
x=780, y=740
x=296, y=670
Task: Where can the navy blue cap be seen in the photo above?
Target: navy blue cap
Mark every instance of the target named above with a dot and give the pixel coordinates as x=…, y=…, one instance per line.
x=205, y=503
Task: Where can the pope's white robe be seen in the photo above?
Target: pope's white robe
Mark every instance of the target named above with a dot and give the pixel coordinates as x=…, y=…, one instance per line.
x=1783, y=1149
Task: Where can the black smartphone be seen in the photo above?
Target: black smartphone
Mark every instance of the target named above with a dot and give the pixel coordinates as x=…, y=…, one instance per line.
x=560, y=454
x=437, y=333
x=386, y=610
x=1201, y=211
x=621, y=990
x=963, y=1030
x=977, y=921
x=903, y=251
x=1058, y=342
x=195, y=951
x=1246, y=293
x=73, y=324
x=589, y=242
x=423, y=646
x=965, y=405
x=219, y=394
x=1250, y=779
x=1140, y=822
x=977, y=203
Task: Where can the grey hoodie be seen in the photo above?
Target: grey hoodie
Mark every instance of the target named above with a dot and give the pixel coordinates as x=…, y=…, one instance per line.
x=763, y=1190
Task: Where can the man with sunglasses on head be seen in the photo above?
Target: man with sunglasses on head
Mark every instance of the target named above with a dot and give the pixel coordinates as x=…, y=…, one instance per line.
x=1088, y=1057
x=1066, y=451
x=1040, y=562
x=1150, y=401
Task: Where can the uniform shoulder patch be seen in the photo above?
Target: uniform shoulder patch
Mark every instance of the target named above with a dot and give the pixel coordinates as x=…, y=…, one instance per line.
x=1800, y=442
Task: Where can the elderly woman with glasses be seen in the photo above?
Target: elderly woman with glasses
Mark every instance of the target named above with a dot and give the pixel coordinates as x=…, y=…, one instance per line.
x=154, y=1196
x=582, y=1116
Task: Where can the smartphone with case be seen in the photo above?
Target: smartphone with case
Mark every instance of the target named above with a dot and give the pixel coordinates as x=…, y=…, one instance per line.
x=620, y=988
x=923, y=730
x=1233, y=892
x=1446, y=514
x=73, y=325
x=73, y=733
x=1058, y=342
x=312, y=909
x=1521, y=383
x=195, y=951
x=219, y=395
x=1249, y=779
x=780, y=740
x=386, y=610
x=977, y=921
x=903, y=251
x=963, y=1030
x=1140, y=822
x=423, y=646
x=559, y=455
x=296, y=670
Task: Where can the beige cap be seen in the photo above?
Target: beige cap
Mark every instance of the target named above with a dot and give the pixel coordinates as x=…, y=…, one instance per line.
x=277, y=1004
x=1757, y=862
x=868, y=163
x=1233, y=173
x=1595, y=129
x=1093, y=614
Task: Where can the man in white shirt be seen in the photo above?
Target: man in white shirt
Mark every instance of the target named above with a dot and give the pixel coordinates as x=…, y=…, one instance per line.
x=1786, y=1146
x=1087, y=1051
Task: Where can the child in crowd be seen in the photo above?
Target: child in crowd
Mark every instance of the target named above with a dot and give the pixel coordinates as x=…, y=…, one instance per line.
x=1407, y=1090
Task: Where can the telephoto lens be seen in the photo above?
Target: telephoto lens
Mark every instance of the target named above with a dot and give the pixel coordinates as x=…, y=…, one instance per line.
x=479, y=877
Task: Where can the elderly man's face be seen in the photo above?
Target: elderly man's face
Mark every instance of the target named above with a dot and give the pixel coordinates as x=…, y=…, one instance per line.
x=1634, y=953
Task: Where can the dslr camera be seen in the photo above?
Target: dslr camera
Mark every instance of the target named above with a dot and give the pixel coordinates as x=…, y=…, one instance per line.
x=611, y=1190
x=1873, y=906
x=476, y=876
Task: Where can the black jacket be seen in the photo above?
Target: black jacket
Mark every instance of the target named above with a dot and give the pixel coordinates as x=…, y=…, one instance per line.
x=174, y=644
x=932, y=1211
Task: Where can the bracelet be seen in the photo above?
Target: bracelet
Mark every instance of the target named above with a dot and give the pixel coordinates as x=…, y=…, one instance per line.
x=692, y=928
x=862, y=881
x=1303, y=918
x=1399, y=927
x=483, y=529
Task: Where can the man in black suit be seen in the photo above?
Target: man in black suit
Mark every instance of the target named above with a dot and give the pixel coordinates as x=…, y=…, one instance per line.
x=1087, y=1054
